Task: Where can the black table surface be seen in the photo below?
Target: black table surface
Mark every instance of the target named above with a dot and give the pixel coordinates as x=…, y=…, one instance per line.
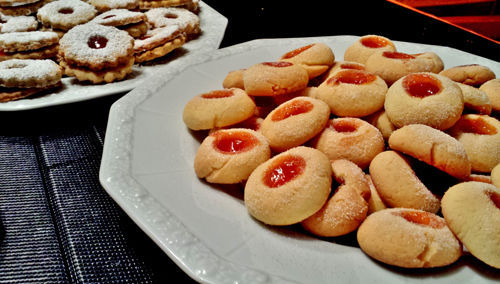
x=58, y=225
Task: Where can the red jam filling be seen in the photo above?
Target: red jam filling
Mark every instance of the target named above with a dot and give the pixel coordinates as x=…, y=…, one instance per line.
x=278, y=64
x=374, y=42
x=352, y=66
x=495, y=198
x=421, y=85
x=109, y=16
x=97, y=42
x=65, y=11
x=145, y=37
x=292, y=108
x=218, y=94
x=283, y=170
x=348, y=76
x=397, y=55
x=170, y=16
x=476, y=125
x=297, y=51
x=343, y=126
x=423, y=218
x=234, y=142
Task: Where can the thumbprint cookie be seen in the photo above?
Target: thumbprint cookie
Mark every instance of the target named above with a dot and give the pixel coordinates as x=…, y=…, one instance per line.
x=495, y=176
x=424, y=98
x=492, y=90
x=229, y=156
x=354, y=93
x=398, y=185
x=391, y=66
x=295, y=122
x=382, y=122
x=408, y=238
x=218, y=108
x=274, y=78
x=472, y=211
x=347, y=207
x=472, y=74
x=434, y=147
x=365, y=46
x=350, y=138
x=475, y=100
x=480, y=136
x=234, y=79
x=289, y=187
x=316, y=58
x=96, y=53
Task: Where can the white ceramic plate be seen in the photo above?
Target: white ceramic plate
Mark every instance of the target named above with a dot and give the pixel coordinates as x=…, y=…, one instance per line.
x=147, y=167
x=213, y=26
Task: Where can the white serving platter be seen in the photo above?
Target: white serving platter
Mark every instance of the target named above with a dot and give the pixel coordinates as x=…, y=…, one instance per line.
x=147, y=168
x=213, y=26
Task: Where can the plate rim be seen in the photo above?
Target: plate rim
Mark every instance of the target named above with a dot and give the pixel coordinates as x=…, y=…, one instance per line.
x=114, y=179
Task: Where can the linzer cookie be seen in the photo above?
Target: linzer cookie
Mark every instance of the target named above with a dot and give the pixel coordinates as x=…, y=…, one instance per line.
x=106, y=5
x=65, y=14
x=191, y=5
x=20, y=78
x=187, y=21
x=97, y=53
x=29, y=45
x=130, y=21
x=21, y=7
x=157, y=43
x=9, y=24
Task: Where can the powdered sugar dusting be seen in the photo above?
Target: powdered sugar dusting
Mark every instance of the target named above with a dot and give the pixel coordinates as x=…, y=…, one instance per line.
x=27, y=69
x=117, y=17
x=19, y=24
x=75, y=43
x=156, y=35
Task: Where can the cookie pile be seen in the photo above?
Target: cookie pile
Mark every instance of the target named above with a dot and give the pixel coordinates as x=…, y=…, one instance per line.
x=96, y=41
x=349, y=147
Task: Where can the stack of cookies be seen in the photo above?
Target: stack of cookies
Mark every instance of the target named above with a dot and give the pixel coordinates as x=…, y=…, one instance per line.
x=97, y=41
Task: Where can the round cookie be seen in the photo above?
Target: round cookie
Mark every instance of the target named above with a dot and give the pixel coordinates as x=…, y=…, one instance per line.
x=473, y=74
x=158, y=42
x=65, y=14
x=96, y=53
x=382, y=122
x=229, y=156
x=130, y=21
x=424, y=98
x=433, y=147
x=316, y=58
x=21, y=78
x=475, y=100
x=274, y=78
x=480, y=136
x=365, y=46
x=495, y=176
x=218, y=108
x=234, y=79
x=375, y=203
x=472, y=211
x=354, y=93
x=350, y=138
x=17, y=24
x=492, y=90
x=342, y=65
x=391, y=66
x=408, y=238
x=23, y=8
x=295, y=122
x=29, y=45
x=187, y=21
x=289, y=187
x=106, y=5
x=397, y=184
x=433, y=60
x=346, y=208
